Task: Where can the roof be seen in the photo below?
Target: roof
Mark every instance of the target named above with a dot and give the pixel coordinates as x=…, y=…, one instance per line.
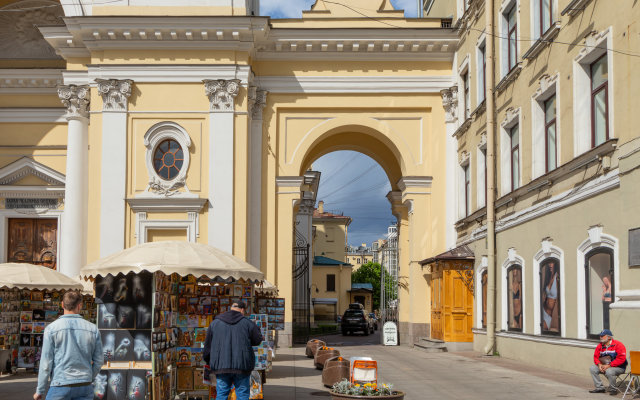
x=321, y=260
x=330, y=215
x=459, y=253
x=361, y=286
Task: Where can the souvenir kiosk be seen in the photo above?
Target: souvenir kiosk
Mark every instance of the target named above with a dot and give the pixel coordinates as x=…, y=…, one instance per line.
x=30, y=298
x=155, y=302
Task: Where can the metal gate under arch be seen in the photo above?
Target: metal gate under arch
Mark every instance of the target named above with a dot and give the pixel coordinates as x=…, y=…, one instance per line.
x=389, y=281
x=301, y=326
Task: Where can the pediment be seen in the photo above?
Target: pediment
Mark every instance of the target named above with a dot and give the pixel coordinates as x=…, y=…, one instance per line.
x=28, y=172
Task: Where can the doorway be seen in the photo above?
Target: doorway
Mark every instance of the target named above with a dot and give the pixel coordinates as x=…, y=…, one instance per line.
x=34, y=241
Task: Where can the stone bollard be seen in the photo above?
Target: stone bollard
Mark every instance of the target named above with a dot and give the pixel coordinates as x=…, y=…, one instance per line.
x=335, y=370
x=323, y=354
x=312, y=346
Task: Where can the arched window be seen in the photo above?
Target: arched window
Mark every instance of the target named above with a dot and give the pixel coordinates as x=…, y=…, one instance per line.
x=550, y=297
x=483, y=279
x=514, y=298
x=599, y=288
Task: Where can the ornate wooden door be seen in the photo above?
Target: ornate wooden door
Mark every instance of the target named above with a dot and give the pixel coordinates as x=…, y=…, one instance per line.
x=33, y=240
x=458, y=308
x=437, y=328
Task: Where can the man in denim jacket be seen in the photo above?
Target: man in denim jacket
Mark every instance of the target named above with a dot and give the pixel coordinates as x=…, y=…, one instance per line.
x=71, y=354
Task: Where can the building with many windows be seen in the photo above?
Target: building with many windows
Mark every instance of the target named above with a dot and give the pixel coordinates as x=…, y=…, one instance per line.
x=543, y=116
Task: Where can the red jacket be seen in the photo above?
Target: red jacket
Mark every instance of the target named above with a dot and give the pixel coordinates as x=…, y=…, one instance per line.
x=615, y=350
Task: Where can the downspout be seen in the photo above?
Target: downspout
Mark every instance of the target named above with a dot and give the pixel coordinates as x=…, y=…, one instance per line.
x=491, y=181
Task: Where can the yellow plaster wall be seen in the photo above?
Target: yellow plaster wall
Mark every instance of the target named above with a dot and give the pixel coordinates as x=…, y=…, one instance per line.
x=163, y=235
x=331, y=236
x=30, y=100
x=343, y=284
x=347, y=68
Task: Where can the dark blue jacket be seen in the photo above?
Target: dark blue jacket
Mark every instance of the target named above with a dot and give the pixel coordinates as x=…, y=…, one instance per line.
x=227, y=347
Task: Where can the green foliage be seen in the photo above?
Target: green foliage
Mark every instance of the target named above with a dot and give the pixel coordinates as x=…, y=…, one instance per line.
x=345, y=387
x=371, y=273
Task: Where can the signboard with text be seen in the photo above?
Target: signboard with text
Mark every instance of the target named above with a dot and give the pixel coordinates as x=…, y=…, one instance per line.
x=390, y=334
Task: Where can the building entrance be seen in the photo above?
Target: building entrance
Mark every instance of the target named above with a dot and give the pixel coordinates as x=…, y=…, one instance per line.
x=34, y=241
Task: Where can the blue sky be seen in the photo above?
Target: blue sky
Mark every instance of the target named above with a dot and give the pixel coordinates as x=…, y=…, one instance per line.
x=293, y=8
x=356, y=185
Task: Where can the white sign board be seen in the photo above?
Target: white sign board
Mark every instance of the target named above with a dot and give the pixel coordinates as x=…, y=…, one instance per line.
x=390, y=334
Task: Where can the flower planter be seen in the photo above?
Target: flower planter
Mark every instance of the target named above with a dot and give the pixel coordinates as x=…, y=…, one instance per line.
x=324, y=355
x=338, y=396
x=312, y=346
x=335, y=370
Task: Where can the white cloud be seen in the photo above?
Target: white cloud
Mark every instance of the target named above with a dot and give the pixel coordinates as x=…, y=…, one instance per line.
x=284, y=8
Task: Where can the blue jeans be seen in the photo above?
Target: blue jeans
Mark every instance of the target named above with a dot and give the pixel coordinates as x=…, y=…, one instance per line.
x=241, y=382
x=70, y=393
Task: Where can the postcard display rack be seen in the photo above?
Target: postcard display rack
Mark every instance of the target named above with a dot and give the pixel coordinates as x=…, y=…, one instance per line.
x=24, y=314
x=153, y=329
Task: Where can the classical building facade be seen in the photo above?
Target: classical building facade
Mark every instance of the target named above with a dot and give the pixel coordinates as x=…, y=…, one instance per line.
x=547, y=174
x=132, y=121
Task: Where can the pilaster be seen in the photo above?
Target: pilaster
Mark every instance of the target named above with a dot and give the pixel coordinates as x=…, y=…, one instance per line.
x=257, y=101
x=450, y=104
x=115, y=98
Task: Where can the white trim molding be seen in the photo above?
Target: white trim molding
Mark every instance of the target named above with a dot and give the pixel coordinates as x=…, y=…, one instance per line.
x=190, y=225
x=165, y=73
x=30, y=81
x=19, y=169
x=512, y=259
x=512, y=118
x=33, y=115
x=549, y=86
x=354, y=84
x=548, y=250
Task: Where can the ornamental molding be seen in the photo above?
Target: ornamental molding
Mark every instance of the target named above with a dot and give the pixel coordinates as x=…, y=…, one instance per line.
x=546, y=86
x=221, y=93
x=30, y=81
x=306, y=207
x=257, y=102
x=450, y=103
x=76, y=98
x=511, y=117
x=464, y=158
x=154, y=136
x=354, y=84
x=414, y=182
x=115, y=93
x=592, y=43
x=26, y=166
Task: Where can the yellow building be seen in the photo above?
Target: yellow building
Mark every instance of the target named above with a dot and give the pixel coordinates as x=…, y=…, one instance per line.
x=359, y=256
x=330, y=288
x=125, y=122
x=362, y=293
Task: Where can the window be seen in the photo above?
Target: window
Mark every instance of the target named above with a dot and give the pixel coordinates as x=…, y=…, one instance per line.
x=550, y=145
x=465, y=84
x=545, y=10
x=512, y=36
x=514, y=135
x=483, y=280
x=550, y=296
x=599, y=101
x=599, y=289
x=482, y=65
x=467, y=190
x=168, y=159
x=514, y=297
x=481, y=177
x=331, y=283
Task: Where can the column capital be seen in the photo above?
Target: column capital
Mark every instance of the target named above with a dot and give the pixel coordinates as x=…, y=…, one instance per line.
x=76, y=98
x=115, y=93
x=450, y=103
x=221, y=93
x=306, y=207
x=257, y=101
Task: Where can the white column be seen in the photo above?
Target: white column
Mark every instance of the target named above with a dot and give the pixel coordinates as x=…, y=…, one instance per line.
x=73, y=236
x=222, y=95
x=258, y=98
x=113, y=174
x=450, y=103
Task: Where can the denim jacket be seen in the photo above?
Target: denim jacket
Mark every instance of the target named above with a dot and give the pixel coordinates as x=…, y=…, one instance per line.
x=71, y=353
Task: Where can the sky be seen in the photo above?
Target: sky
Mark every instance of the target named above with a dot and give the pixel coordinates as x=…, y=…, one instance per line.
x=356, y=185
x=293, y=8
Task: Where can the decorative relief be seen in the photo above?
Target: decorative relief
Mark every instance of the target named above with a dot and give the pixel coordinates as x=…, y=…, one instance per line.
x=257, y=101
x=464, y=157
x=222, y=93
x=450, y=103
x=306, y=207
x=19, y=34
x=154, y=137
x=76, y=98
x=115, y=93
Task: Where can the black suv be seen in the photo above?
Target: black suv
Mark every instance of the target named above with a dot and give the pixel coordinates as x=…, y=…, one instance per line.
x=355, y=320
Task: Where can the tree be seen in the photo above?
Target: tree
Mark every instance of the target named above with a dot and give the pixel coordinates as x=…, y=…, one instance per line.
x=370, y=273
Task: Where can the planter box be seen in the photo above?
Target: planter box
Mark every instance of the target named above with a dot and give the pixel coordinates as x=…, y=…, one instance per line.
x=312, y=347
x=324, y=355
x=337, y=396
x=335, y=371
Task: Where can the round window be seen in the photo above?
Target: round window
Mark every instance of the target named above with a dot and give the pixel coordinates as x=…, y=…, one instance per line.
x=168, y=159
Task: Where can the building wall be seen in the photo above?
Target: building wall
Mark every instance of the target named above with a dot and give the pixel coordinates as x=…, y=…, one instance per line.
x=343, y=284
x=331, y=238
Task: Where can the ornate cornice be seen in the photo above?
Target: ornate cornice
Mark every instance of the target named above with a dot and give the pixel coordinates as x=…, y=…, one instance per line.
x=257, y=101
x=76, y=98
x=115, y=93
x=450, y=103
x=222, y=93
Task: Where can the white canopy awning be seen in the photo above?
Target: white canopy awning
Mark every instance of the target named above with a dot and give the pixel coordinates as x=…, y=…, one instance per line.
x=35, y=277
x=179, y=257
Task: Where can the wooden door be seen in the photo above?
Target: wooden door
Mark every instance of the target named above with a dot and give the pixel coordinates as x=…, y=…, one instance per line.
x=437, y=328
x=33, y=240
x=457, y=308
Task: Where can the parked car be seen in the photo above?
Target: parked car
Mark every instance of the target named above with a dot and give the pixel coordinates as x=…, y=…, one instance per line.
x=356, y=320
x=374, y=319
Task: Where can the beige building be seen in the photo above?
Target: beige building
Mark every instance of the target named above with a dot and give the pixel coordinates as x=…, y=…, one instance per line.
x=358, y=256
x=547, y=136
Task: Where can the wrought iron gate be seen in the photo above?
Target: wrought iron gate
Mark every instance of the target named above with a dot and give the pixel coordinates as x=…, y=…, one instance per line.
x=389, y=281
x=301, y=291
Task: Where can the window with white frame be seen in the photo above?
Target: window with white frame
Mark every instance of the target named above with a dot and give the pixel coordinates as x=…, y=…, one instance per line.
x=545, y=130
x=481, y=181
x=514, y=162
x=484, y=278
x=464, y=186
x=593, y=107
x=600, y=289
x=550, y=137
x=510, y=156
x=514, y=297
x=467, y=189
x=467, y=97
x=511, y=19
x=482, y=71
x=543, y=16
x=550, y=296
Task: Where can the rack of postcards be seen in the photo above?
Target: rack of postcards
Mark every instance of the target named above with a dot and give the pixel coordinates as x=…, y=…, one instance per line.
x=153, y=329
x=24, y=314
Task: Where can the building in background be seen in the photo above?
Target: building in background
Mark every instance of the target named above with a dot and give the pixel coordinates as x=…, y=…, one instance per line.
x=362, y=293
x=358, y=256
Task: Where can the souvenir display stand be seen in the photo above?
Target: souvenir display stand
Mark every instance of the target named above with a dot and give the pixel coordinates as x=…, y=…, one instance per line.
x=153, y=316
x=267, y=303
x=30, y=299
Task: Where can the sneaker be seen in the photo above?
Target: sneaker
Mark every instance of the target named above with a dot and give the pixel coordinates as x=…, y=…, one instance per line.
x=597, y=390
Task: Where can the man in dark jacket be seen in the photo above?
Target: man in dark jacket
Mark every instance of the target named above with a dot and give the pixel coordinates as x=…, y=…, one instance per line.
x=227, y=351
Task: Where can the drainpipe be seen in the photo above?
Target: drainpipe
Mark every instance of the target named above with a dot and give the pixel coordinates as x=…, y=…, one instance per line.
x=491, y=181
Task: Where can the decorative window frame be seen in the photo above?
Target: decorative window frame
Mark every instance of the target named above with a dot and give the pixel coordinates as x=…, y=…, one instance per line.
x=464, y=69
x=144, y=225
x=152, y=138
x=484, y=263
x=482, y=42
x=512, y=118
x=548, y=87
x=535, y=17
x=512, y=259
x=481, y=162
x=595, y=239
x=464, y=162
x=596, y=45
x=504, y=44
x=548, y=250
